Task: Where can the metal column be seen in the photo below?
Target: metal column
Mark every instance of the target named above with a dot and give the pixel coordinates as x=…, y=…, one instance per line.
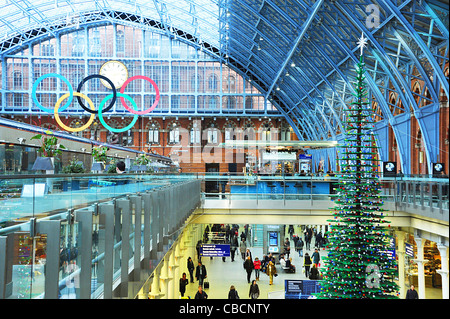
x=6, y=258
x=124, y=206
x=52, y=228
x=136, y=201
x=84, y=217
x=106, y=212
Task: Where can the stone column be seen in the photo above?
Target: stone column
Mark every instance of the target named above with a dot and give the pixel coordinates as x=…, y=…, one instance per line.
x=176, y=272
x=164, y=279
x=420, y=267
x=401, y=262
x=443, y=251
x=155, y=293
x=171, y=275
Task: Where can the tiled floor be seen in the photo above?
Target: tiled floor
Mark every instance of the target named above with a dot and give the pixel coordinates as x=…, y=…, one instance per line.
x=221, y=275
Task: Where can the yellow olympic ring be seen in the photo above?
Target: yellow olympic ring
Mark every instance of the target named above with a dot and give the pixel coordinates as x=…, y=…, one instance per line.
x=78, y=129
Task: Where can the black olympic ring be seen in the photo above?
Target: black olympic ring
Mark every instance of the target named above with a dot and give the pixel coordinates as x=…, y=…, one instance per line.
x=113, y=100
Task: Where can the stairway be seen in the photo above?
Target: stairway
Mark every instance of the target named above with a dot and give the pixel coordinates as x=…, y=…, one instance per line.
x=258, y=233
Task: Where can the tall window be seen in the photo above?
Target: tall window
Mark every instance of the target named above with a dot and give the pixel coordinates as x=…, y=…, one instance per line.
x=213, y=102
x=153, y=134
x=78, y=43
x=17, y=80
x=194, y=134
x=120, y=44
x=212, y=134
x=231, y=84
x=285, y=132
x=213, y=83
x=95, y=46
x=265, y=132
x=174, y=134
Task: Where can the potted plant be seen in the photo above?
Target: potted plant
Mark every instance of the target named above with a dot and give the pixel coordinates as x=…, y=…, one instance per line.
x=141, y=162
x=74, y=167
x=47, y=152
x=100, y=158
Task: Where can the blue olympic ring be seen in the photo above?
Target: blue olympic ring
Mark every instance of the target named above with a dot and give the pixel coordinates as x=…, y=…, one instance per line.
x=43, y=77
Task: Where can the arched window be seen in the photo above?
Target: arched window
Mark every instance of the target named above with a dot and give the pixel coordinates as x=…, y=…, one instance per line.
x=265, y=130
x=231, y=84
x=194, y=132
x=153, y=132
x=17, y=80
x=248, y=103
x=285, y=132
x=230, y=130
x=213, y=83
x=212, y=133
x=174, y=132
x=120, y=44
x=213, y=102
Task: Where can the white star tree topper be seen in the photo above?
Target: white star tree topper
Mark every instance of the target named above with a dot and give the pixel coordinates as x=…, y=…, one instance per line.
x=362, y=43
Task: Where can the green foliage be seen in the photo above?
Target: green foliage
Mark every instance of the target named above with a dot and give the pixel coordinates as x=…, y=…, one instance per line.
x=358, y=264
x=112, y=168
x=142, y=160
x=99, y=153
x=74, y=167
x=49, y=145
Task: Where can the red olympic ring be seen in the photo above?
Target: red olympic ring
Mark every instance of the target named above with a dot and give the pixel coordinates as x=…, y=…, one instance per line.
x=142, y=77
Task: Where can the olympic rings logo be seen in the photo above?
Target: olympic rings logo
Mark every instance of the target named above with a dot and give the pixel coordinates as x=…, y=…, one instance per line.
x=113, y=97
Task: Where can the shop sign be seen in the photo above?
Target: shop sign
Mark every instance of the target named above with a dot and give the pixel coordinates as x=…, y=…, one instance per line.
x=212, y=250
x=409, y=250
x=279, y=156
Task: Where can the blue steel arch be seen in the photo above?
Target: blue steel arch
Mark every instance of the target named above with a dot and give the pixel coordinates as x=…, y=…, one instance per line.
x=247, y=39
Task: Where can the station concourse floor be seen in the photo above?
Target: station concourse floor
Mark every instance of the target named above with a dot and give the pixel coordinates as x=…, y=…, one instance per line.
x=221, y=275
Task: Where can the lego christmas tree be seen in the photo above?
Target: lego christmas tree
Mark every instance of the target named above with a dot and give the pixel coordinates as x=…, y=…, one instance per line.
x=358, y=264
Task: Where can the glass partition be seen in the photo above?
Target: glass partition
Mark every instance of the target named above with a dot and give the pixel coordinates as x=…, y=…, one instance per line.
x=27, y=202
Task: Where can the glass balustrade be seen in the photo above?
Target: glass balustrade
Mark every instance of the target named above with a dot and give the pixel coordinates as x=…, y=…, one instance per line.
x=55, y=231
x=100, y=231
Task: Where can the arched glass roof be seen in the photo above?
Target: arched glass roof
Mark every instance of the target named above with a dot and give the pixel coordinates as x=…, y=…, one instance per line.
x=299, y=53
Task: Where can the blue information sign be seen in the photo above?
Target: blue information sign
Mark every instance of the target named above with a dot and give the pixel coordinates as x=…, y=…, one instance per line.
x=409, y=250
x=301, y=289
x=215, y=250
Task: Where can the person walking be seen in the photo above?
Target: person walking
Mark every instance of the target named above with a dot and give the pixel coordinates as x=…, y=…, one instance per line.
x=248, y=253
x=316, y=257
x=307, y=263
x=233, y=246
x=233, y=294
x=257, y=267
x=254, y=290
x=243, y=248
x=183, y=283
x=287, y=247
x=271, y=271
x=299, y=246
x=200, y=273
x=314, y=275
x=190, y=267
x=248, y=265
x=412, y=293
x=201, y=294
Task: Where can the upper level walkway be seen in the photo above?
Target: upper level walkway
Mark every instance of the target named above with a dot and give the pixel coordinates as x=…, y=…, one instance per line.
x=81, y=227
